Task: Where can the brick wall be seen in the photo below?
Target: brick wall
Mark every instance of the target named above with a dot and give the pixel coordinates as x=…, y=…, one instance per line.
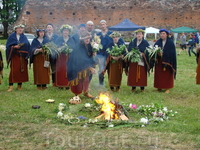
x=157, y=13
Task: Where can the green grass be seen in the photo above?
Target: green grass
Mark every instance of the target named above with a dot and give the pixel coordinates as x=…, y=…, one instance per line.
x=25, y=128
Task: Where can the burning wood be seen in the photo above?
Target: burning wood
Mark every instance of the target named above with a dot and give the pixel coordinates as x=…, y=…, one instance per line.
x=110, y=109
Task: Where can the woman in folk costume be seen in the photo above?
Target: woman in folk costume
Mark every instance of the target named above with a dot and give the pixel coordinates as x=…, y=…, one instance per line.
x=17, y=49
x=52, y=37
x=80, y=65
x=198, y=66
x=1, y=67
x=61, y=79
x=40, y=60
x=115, y=64
x=137, y=71
x=165, y=66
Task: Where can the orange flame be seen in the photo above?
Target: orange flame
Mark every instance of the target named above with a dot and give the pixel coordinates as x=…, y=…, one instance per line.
x=107, y=108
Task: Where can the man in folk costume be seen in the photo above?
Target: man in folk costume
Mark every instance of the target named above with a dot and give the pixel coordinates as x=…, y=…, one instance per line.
x=90, y=29
x=115, y=64
x=61, y=79
x=80, y=65
x=102, y=54
x=76, y=36
x=17, y=49
x=165, y=65
x=51, y=36
x=93, y=33
x=137, y=71
x=39, y=57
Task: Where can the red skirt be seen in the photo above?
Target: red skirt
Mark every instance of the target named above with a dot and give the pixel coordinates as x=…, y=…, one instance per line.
x=61, y=79
x=83, y=85
x=41, y=73
x=18, y=69
x=198, y=72
x=137, y=75
x=163, y=79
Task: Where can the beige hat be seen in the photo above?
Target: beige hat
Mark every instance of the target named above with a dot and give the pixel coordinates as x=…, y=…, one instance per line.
x=103, y=21
x=90, y=22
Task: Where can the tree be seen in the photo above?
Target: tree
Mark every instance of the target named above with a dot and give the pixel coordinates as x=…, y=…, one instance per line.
x=9, y=12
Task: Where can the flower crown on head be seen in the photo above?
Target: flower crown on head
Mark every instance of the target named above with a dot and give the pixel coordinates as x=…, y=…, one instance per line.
x=115, y=34
x=66, y=26
x=17, y=26
x=139, y=30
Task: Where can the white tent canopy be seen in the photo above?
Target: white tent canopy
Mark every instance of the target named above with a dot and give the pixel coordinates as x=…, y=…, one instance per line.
x=151, y=30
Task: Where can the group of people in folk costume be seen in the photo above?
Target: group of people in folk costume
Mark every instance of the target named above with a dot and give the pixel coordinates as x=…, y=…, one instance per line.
x=75, y=70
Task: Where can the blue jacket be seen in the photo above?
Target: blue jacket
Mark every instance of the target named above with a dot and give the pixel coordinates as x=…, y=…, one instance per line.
x=106, y=41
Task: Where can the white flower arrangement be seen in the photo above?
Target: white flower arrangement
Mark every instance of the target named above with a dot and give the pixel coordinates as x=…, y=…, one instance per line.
x=154, y=51
x=2, y=47
x=87, y=105
x=155, y=113
x=144, y=120
x=96, y=43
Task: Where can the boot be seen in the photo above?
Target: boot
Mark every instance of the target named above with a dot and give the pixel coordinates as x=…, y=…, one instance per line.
x=88, y=95
x=44, y=88
x=39, y=88
x=10, y=88
x=19, y=87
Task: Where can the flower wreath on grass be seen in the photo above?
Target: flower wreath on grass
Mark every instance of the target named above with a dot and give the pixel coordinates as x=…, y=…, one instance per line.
x=148, y=114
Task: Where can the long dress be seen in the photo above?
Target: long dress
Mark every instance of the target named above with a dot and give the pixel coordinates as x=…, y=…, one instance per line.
x=115, y=69
x=165, y=66
x=137, y=74
x=198, y=68
x=52, y=58
x=61, y=79
x=79, y=68
x=40, y=72
x=1, y=67
x=17, y=58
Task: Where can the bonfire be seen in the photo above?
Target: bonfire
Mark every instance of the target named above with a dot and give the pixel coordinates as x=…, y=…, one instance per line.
x=110, y=109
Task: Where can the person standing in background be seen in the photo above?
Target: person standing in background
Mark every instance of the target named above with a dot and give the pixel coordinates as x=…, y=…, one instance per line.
x=182, y=43
x=51, y=36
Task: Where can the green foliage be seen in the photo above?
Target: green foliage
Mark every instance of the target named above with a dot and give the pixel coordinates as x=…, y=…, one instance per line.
x=116, y=51
x=133, y=55
x=9, y=12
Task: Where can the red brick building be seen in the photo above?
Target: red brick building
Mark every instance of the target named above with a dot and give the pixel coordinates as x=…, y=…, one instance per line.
x=157, y=13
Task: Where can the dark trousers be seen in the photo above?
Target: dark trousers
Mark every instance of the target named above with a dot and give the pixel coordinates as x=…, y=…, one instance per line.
x=191, y=49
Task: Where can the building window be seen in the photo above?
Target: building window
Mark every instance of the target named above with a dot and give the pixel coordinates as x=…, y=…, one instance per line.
x=51, y=13
x=28, y=12
x=74, y=14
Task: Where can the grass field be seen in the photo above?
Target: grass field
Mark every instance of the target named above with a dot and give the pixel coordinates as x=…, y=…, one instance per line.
x=25, y=128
